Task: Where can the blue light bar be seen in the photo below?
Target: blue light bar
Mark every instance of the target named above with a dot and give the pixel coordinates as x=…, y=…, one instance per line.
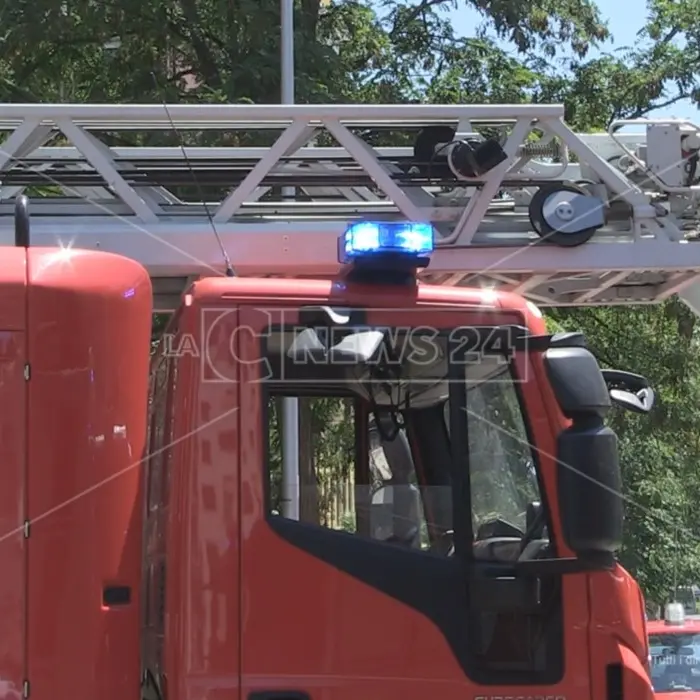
x=367, y=240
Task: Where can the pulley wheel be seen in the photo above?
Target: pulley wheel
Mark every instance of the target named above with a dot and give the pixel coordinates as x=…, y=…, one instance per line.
x=550, y=234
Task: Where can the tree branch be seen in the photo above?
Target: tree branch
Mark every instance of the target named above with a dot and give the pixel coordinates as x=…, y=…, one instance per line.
x=641, y=111
x=207, y=63
x=670, y=36
x=420, y=9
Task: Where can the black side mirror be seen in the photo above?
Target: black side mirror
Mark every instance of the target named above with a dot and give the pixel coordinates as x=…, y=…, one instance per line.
x=590, y=488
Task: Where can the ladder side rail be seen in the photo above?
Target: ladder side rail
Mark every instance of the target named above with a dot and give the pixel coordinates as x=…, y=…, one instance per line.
x=225, y=116
x=266, y=249
x=194, y=153
x=303, y=250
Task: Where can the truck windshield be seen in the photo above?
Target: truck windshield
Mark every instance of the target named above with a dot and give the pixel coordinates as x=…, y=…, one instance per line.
x=675, y=662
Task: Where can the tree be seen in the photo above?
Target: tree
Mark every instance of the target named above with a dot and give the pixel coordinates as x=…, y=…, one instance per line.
x=347, y=50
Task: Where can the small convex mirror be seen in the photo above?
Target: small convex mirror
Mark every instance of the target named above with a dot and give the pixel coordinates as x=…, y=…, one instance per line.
x=641, y=401
x=630, y=391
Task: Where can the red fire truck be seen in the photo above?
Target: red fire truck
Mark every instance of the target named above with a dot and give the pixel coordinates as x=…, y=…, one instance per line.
x=180, y=580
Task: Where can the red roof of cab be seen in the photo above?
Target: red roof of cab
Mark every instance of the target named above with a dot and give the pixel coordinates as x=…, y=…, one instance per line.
x=216, y=289
x=72, y=268
x=86, y=270
x=691, y=625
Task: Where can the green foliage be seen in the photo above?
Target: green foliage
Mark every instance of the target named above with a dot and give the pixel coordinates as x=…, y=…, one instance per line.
x=398, y=51
x=659, y=453
x=348, y=50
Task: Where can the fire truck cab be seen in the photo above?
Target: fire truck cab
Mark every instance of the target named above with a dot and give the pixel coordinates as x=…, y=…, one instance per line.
x=465, y=541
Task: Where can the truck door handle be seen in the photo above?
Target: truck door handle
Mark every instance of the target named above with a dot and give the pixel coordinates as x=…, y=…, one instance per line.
x=279, y=695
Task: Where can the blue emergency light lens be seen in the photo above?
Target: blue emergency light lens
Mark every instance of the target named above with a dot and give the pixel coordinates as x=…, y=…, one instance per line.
x=366, y=239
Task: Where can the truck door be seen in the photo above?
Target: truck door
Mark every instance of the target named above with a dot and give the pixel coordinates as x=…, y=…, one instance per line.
x=364, y=589
x=12, y=513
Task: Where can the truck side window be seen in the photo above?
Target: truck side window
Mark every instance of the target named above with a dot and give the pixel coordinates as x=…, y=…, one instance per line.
x=350, y=478
x=326, y=460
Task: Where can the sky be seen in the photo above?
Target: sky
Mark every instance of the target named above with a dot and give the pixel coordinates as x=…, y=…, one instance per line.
x=624, y=23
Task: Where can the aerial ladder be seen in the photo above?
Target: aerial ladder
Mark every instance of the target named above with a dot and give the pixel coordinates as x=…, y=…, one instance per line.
x=517, y=200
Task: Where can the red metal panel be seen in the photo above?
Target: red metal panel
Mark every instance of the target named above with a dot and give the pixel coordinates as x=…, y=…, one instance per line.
x=89, y=317
x=12, y=511
x=13, y=277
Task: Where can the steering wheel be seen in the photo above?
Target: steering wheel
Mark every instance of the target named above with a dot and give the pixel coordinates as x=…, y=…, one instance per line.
x=445, y=544
x=406, y=539
x=680, y=686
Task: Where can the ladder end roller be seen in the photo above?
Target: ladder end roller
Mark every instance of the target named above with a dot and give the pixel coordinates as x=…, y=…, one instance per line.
x=22, y=221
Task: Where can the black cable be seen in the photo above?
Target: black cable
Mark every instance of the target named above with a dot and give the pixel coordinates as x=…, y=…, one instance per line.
x=227, y=261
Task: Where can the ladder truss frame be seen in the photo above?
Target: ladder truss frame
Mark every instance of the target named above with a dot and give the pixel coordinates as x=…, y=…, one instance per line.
x=643, y=259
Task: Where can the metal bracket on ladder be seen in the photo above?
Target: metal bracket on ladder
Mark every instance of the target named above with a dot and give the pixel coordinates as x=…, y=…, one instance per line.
x=517, y=199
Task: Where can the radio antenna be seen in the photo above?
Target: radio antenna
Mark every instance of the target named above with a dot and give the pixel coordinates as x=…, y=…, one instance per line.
x=227, y=261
